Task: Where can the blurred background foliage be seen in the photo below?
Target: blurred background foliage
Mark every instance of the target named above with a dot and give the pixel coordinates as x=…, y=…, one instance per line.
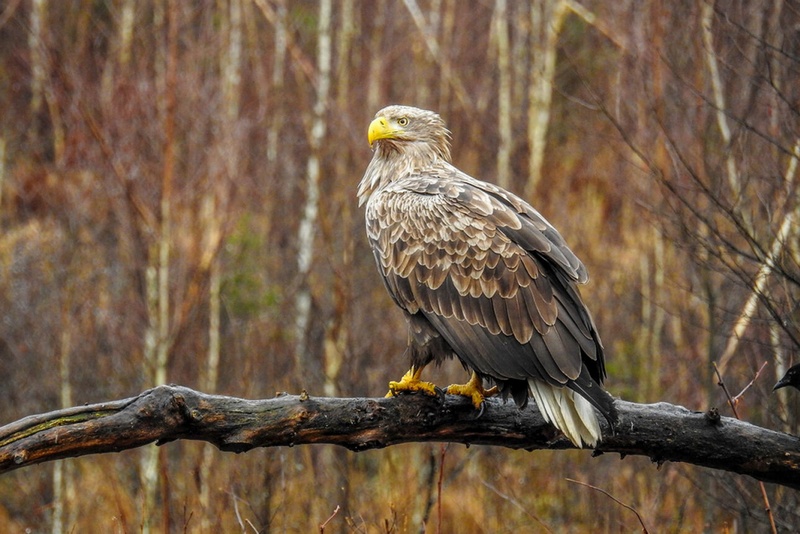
x=177, y=204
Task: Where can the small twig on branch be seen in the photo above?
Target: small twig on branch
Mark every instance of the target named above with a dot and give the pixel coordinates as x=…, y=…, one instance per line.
x=607, y=494
x=749, y=384
x=721, y=383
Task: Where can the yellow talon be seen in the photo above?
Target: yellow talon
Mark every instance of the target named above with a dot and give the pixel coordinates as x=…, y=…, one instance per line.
x=472, y=390
x=411, y=382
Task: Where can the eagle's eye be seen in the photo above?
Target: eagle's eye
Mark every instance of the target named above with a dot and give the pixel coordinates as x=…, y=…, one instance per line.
x=402, y=121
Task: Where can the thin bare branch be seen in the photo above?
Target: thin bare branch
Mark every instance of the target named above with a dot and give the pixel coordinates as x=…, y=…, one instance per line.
x=787, y=230
x=749, y=384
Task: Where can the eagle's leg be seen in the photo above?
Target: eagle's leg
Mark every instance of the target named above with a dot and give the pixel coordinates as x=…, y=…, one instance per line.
x=411, y=382
x=472, y=390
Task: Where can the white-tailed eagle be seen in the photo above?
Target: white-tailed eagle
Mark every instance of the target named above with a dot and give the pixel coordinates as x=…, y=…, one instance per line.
x=481, y=276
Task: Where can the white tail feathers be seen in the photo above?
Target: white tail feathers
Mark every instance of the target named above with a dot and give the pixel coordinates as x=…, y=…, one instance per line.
x=567, y=411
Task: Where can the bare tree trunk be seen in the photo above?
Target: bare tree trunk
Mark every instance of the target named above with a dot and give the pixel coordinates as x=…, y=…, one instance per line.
x=520, y=54
x=337, y=333
x=435, y=50
x=310, y=221
x=656, y=318
x=376, y=60
x=546, y=20
x=793, y=247
x=123, y=53
x=278, y=69
x=212, y=205
x=307, y=230
x=165, y=235
x=41, y=87
x=786, y=233
x=338, y=329
x=344, y=45
x=503, y=94
x=157, y=339
x=3, y=169
x=126, y=32
x=447, y=32
x=212, y=370
x=41, y=90
x=707, y=19
x=63, y=488
x=38, y=60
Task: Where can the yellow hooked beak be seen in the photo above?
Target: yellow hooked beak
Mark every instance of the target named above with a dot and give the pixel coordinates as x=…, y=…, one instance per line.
x=380, y=129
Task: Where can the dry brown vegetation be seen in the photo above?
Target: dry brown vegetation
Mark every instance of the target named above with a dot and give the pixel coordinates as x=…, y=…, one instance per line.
x=162, y=162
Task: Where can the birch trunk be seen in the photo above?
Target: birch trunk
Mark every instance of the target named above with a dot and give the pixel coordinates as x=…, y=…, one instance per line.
x=656, y=319
x=211, y=210
x=308, y=224
x=123, y=53
x=278, y=68
x=503, y=94
x=520, y=54
x=63, y=488
x=149, y=461
x=337, y=333
x=41, y=92
x=785, y=235
x=374, y=96
x=212, y=370
x=771, y=35
x=41, y=88
x=157, y=339
x=547, y=17
x=38, y=60
x=435, y=50
x=707, y=19
x=3, y=169
x=446, y=69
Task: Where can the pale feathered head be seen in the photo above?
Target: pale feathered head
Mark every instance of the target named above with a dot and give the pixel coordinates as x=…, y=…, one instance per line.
x=410, y=131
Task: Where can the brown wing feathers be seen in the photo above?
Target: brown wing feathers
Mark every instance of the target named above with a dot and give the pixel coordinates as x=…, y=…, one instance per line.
x=481, y=288
x=471, y=270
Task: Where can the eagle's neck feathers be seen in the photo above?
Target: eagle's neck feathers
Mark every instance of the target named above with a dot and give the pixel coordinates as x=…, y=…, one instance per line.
x=396, y=159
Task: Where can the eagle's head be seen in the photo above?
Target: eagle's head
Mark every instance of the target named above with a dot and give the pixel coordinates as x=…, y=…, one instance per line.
x=409, y=131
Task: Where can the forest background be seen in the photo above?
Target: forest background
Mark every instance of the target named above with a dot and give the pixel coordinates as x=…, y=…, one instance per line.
x=177, y=204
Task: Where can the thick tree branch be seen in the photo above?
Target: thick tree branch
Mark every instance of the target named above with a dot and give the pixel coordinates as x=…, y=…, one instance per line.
x=663, y=432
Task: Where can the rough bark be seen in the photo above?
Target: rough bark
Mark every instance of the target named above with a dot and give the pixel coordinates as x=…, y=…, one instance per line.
x=663, y=432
